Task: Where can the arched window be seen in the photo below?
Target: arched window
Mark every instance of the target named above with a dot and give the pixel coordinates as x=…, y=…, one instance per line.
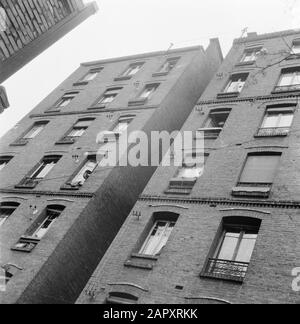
x=7, y=209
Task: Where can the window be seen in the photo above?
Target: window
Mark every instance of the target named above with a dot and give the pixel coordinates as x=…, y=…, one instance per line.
x=77, y=131
x=121, y=298
x=36, y=129
x=132, y=69
x=169, y=65
x=40, y=171
x=85, y=172
x=6, y=210
x=296, y=46
x=123, y=123
x=148, y=91
x=109, y=96
x=215, y=123
x=4, y=160
x=277, y=121
x=260, y=169
x=66, y=99
x=234, y=249
x=289, y=80
x=39, y=229
x=91, y=75
x=159, y=234
x=236, y=83
x=250, y=55
x=191, y=168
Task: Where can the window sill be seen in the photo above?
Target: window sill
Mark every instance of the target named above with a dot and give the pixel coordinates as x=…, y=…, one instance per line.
x=70, y=187
x=272, y=132
x=98, y=107
x=19, y=143
x=228, y=95
x=32, y=241
x=25, y=187
x=52, y=111
x=289, y=89
x=205, y=275
x=66, y=142
x=210, y=133
x=160, y=74
x=123, y=78
x=138, y=265
x=144, y=256
x=137, y=102
x=258, y=192
x=78, y=84
x=245, y=63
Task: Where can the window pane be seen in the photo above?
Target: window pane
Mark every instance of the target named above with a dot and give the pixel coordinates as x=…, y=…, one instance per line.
x=190, y=173
x=84, y=173
x=43, y=170
x=90, y=76
x=77, y=132
x=286, y=79
x=296, y=49
x=296, y=78
x=2, y=165
x=236, y=86
x=158, y=238
x=271, y=121
x=43, y=229
x=34, y=132
x=246, y=248
x=260, y=169
x=286, y=120
x=228, y=246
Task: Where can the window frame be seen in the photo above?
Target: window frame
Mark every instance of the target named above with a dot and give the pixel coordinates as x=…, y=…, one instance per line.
x=227, y=223
x=161, y=72
x=6, y=159
x=28, y=238
x=83, y=80
x=58, y=106
x=289, y=88
x=230, y=82
x=127, y=76
x=22, y=141
x=252, y=50
x=67, y=139
x=9, y=205
x=30, y=182
x=68, y=185
x=99, y=102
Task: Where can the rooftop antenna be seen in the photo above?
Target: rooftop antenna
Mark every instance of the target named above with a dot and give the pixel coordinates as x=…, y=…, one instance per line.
x=170, y=47
x=244, y=31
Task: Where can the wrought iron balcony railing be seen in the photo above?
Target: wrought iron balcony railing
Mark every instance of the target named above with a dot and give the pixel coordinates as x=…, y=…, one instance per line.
x=273, y=131
x=226, y=270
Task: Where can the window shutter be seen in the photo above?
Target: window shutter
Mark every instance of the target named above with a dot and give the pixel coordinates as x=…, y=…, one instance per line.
x=260, y=169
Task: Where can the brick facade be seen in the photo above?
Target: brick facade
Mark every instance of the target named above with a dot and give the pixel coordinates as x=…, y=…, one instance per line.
x=58, y=268
x=176, y=275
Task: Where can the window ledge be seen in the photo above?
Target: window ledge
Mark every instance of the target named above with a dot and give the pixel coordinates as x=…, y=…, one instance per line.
x=205, y=275
x=144, y=256
x=19, y=143
x=245, y=63
x=137, y=102
x=83, y=83
x=123, y=78
x=138, y=265
x=65, y=142
x=273, y=132
x=159, y=74
x=261, y=192
x=52, y=111
x=228, y=95
x=98, y=107
x=70, y=187
x=288, y=89
x=32, y=241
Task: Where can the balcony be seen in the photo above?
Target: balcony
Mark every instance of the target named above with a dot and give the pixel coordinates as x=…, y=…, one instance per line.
x=225, y=270
x=289, y=88
x=27, y=183
x=273, y=131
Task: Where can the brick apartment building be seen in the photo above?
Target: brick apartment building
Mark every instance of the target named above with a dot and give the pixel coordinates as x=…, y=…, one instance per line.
x=228, y=232
x=59, y=210
x=27, y=28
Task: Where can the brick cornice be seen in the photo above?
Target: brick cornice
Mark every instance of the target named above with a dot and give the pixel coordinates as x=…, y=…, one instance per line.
x=223, y=202
x=248, y=99
x=48, y=193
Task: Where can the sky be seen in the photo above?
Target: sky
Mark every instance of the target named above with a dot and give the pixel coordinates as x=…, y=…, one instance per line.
x=124, y=27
